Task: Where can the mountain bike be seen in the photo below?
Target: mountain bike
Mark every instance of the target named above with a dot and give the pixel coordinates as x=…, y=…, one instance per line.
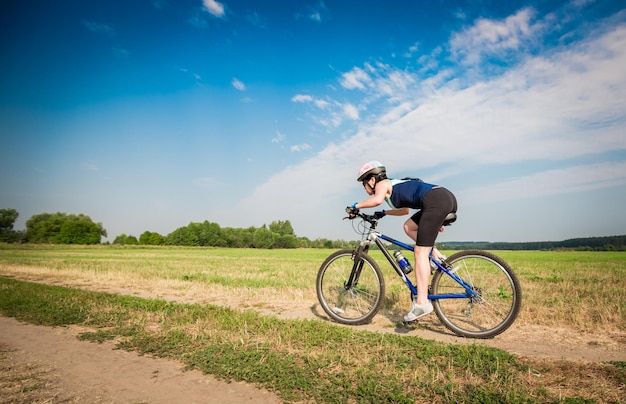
x=474, y=293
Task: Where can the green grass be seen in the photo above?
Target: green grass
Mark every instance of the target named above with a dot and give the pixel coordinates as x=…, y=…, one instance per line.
x=297, y=359
x=576, y=289
x=583, y=290
x=313, y=360
x=230, y=267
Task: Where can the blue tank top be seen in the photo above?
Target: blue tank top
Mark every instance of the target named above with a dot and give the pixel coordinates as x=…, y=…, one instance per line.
x=408, y=193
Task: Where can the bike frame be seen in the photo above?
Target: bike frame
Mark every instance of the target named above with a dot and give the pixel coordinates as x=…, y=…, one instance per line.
x=377, y=237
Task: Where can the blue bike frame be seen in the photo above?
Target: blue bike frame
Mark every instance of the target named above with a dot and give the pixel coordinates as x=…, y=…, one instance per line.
x=469, y=289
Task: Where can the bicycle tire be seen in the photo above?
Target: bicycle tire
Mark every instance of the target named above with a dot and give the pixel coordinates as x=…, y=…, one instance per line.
x=357, y=304
x=499, y=295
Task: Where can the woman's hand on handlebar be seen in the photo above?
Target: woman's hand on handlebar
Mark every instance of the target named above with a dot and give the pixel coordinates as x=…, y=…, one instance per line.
x=352, y=212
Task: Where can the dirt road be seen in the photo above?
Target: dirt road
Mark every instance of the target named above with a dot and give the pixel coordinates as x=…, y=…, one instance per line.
x=81, y=372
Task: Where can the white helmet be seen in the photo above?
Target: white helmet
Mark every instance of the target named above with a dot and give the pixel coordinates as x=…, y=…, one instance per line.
x=370, y=169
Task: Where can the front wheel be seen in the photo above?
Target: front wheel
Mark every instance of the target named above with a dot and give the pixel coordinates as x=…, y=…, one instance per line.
x=497, y=295
x=350, y=287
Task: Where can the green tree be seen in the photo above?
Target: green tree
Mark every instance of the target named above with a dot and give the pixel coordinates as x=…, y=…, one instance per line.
x=286, y=241
x=49, y=228
x=211, y=234
x=239, y=238
x=263, y=238
x=44, y=227
x=123, y=239
x=79, y=232
x=183, y=236
x=7, y=221
x=281, y=227
x=151, y=238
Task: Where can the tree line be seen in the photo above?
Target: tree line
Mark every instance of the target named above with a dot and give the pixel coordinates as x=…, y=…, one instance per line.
x=607, y=243
x=52, y=228
x=63, y=228
x=279, y=234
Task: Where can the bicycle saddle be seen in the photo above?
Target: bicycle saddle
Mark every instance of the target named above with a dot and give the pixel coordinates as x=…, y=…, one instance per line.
x=451, y=218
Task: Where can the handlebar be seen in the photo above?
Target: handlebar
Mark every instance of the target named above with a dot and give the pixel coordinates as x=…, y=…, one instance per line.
x=371, y=219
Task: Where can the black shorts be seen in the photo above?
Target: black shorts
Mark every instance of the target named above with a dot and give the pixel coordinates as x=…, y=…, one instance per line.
x=438, y=202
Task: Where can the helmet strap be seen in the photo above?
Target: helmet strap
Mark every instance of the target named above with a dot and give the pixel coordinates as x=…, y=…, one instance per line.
x=375, y=177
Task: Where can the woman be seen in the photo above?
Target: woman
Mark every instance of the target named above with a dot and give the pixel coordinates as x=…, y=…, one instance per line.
x=434, y=203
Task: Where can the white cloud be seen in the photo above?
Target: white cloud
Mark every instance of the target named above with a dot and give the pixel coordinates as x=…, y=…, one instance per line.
x=566, y=105
x=315, y=16
x=318, y=13
x=356, y=78
x=300, y=147
x=214, y=7
x=551, y=182
x=335, y=112
x=278, y=138
x=301, y=98
x=196, y=76
x=558, y=107
x=321, y=104
x=379, y=81
x=238, y=85
x=493, y=38
x=318, y=102
x=351, y=111
x=412, y=49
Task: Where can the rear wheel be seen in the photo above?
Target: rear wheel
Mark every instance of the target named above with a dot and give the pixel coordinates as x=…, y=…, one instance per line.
x=350, y=304
x=497, y=300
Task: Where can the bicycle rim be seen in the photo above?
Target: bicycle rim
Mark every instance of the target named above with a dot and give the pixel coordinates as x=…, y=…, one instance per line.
x=352, y=305
x=498, y=295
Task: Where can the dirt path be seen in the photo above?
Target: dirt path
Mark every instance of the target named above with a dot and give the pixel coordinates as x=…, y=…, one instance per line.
x=75, y=371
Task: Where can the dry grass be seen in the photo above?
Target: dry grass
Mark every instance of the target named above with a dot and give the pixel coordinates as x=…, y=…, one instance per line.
x=577, y=290
x=580, y=290
x=561, y=379
x=27, y=381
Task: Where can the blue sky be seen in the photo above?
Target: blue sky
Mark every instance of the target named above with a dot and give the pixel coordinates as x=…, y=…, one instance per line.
x=148, y=115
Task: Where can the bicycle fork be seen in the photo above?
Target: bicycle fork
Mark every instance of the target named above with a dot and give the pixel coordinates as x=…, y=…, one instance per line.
x=357, y=267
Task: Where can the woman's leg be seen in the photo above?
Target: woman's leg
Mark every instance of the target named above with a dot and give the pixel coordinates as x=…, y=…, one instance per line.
x=422, y=273
x=423, y=227
x=422, y=263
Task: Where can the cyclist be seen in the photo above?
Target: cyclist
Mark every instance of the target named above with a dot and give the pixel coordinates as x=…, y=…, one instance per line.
x=434, y=203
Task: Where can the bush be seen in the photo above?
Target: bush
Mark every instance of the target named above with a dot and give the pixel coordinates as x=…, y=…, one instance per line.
x=61, y=228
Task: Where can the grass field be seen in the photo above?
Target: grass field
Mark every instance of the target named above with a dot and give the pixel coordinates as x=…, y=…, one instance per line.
x=310, y=359
x=584, y=290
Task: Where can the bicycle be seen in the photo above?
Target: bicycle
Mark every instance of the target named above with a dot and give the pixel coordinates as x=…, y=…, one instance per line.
x=474, y=293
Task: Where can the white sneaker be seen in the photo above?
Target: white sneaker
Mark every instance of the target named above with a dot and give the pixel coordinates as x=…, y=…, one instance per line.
x=418, y=311
x=434, y=267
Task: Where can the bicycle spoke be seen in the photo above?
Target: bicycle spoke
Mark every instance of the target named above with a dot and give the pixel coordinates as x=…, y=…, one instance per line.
x=496, y=301
x=353, y=304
